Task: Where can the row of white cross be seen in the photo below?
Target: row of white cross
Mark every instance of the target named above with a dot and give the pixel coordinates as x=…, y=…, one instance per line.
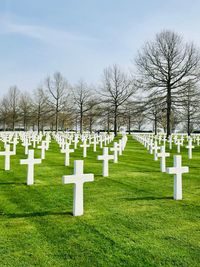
x=149, y=142
x=177, y=169
x=78, y=178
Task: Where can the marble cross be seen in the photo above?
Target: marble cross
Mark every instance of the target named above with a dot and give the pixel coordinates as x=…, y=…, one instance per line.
x=170, y=142
x=94, y=144
x=85, y=146
x=120, y=147
x=156, y=148
x=162, y=155
x=43, y=149
x=78, y=179
x=26, y=144
x=115, y=149
x=178, y=143
x=190, y=147
x=30, y=161
x=105, y=157
x=177, y=170
x=67, y=152
x=7, y=153
x=151, y=147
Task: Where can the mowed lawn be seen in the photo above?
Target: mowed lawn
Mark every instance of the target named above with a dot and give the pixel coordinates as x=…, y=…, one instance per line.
x=130, y=217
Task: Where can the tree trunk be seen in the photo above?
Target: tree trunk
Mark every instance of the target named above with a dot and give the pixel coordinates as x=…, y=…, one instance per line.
x=115, y=121
x=81, y=121
x=188, y=123
x=90, y=122
x=13, y=123
x=129, y=124
x=108, y=122
x=56, y=121
x=155, y=124
x=168, y=109
x=38, y=123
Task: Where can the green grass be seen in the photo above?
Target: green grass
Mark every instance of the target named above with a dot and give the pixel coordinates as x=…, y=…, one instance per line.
x=130, y=217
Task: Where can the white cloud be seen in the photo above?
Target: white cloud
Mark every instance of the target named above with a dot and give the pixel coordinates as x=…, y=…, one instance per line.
x=42, y=33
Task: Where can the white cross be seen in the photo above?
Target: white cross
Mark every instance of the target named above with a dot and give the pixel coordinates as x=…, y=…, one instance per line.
x=179, y=143
x=105, y=157
x=67, y=152
x=48, y=140
x=120, y=147
x=94, y=144
x=177, y=170
x=156, y=148
x=124, y=141
x=85, y=146
x=170, y=142
x=105, y=140
x=162, y=155
x=26, y=144
x=151, y=147
x=101, y=141
x=78, y=179
x=7, y=153
x=30, y=161
x=115, y=149
x=75, y=141
x=34, y=141
x=190, y=147
x=43, y=148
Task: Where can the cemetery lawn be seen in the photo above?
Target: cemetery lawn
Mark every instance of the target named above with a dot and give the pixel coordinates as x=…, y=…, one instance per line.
x=130, y=217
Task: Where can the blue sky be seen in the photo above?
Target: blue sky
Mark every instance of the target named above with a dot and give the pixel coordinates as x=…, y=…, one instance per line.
x=81, y=38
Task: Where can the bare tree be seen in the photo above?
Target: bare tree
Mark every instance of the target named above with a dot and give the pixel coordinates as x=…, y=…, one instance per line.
x=93, y=113
x=153, y=108
x=82, y=100
x=189, y=107
x=167, y=66
x=25, y=108
x=40, y=108
x=4, y=112
x=118, y=87
x=57, y=95
x=130, y=110
x=13, y=104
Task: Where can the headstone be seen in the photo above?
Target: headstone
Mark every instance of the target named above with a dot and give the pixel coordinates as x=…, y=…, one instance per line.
x=162, y=155
x=78, y=179
x=179, y=143
x=177, y=170
x=190, y=147
x=115, y=149
x=30, y=161
x=43, y=149
x=156, y=148
x=67, y=152
x=7, y=153
x=85, y=146
x=105, y=157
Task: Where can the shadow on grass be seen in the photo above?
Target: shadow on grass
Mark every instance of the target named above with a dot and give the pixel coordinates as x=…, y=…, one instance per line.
x=145, y=198
x=12, y=183
x=36, y=214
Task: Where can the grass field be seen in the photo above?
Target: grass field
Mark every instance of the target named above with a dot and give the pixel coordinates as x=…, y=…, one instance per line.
x=130, y=217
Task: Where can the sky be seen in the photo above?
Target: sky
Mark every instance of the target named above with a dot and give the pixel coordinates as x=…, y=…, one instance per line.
x=80, y=38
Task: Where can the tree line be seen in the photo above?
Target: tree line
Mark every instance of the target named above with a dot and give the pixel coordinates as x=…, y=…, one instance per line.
x=162, y=93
